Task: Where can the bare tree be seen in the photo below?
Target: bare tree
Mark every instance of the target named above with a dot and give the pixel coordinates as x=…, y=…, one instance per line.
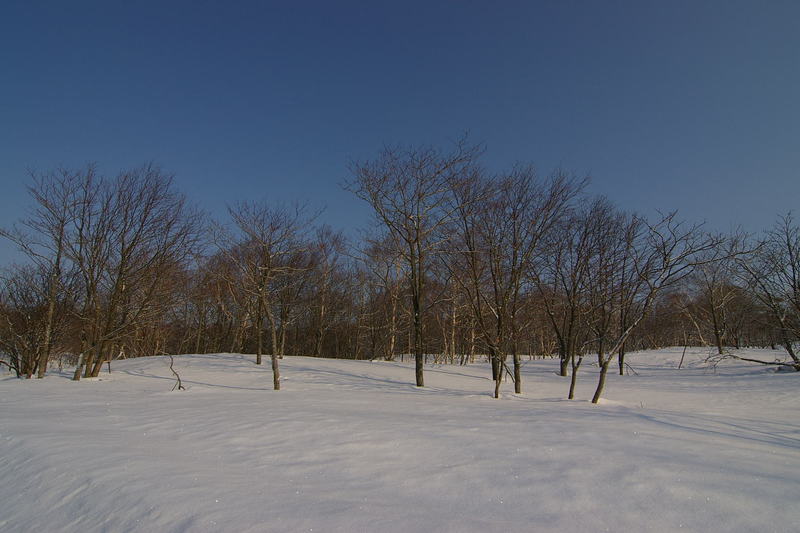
x=772, y=274
x=408, y=192
x=715, y=285
x=107, y=246
x=384, y=264
x=327, y=251
x=608, y=287
x=499, y=231
x=42, y=238
x=663, y=254
x=265, y=240
x=24, y=323
x=127, y=235
x=560, y=277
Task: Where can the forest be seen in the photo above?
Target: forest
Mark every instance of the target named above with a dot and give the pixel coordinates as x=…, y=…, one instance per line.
x=459, y=265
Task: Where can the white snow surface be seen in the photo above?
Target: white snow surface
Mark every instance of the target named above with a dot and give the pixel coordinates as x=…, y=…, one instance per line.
x=354, y=446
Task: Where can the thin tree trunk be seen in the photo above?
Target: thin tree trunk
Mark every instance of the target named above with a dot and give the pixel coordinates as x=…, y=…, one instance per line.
x=497, y=382
x=418, y=355
x=259, y=328
x=276, y=373
x=472, y=343
x=77, y=375
x=601, y=382
x=573, y=381
x=453, y=334
x=717, y=332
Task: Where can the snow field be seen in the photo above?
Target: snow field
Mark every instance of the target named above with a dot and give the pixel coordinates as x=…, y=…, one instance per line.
x=353, y=446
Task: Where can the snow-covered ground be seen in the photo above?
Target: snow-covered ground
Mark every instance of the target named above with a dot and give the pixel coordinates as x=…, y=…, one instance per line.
x=354, y=446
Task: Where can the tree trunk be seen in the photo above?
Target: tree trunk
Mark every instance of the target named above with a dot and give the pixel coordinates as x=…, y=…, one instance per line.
x=273, y=331
x=453, y=334
x=717, y=332
x=77, y=375
x=282, y=346
x=321, y=317
x=563, y=362
x=418, y=355
x=94, y=369
x=276, y=373
x=392, y=329
x=418, y=359
x=573, y=381
x=600, y=352
x=259, y=329
x=44, y=355
x=601, y=382
x=497, y=383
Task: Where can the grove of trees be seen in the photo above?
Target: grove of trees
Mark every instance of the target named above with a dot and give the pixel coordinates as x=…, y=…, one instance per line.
x=460, y=265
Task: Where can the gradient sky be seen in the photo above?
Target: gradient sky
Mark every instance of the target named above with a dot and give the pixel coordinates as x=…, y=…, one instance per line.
x=667, y=105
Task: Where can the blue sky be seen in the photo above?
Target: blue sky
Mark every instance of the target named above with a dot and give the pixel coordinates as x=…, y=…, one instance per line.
x=667, y=105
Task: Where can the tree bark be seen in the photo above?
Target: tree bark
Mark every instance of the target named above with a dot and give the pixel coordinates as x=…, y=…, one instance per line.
x=276, y=373
x=601, y=382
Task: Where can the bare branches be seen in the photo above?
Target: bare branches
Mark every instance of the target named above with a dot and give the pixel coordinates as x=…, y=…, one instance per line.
x=772, y=273
x=459, y=263
x=268, y=251
x=408, y=189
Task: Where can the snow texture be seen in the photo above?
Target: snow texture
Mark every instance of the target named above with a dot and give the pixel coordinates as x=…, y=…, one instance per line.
x=354, y=446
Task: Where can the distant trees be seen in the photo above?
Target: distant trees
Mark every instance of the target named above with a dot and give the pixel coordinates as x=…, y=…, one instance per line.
x=32, y=320
x=460, y=266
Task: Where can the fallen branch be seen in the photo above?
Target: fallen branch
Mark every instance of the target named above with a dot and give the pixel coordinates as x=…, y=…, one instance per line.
x=178, y=384
x=716, y=359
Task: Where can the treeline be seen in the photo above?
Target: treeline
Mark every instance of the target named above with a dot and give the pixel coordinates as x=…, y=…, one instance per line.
x=459, y=265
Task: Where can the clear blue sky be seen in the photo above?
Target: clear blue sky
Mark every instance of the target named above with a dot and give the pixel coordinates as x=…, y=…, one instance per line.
x=691, y=105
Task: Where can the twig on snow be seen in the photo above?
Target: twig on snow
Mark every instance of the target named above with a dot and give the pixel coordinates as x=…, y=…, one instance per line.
x=178, y=384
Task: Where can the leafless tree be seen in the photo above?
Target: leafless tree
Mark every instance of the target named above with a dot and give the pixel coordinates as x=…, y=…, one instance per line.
x=408, y=189
x=664, y=253
x=24, y=321
x=327, y=252
x=714, y=284
x=127, y=235
x=383, y=262
x=772, y=274
x=498, y=233
x=560, y=277
x=42, y=238
x=266, y=238
x=107, y=246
